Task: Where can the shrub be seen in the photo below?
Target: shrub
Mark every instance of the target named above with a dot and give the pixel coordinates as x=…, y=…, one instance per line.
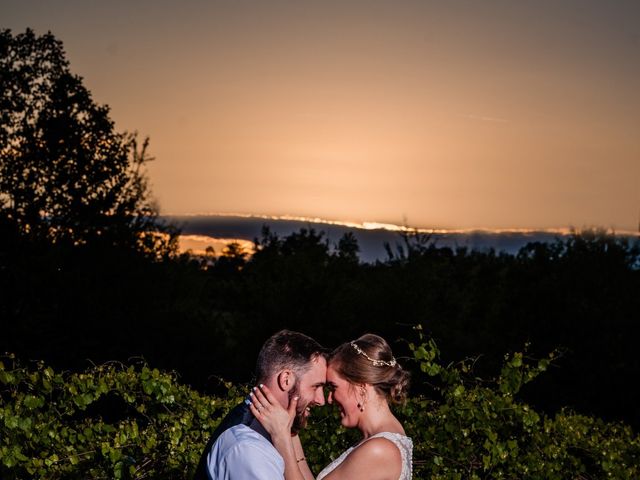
x=117, y=421
x=110, y=421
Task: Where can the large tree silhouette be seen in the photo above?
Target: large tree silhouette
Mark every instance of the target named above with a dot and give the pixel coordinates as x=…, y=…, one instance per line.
x=65, y=173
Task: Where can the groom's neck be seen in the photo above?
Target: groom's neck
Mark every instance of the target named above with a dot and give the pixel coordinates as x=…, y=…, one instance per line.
x=281, y=395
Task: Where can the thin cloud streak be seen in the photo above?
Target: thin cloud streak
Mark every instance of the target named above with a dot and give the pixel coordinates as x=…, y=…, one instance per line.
x=390, y=227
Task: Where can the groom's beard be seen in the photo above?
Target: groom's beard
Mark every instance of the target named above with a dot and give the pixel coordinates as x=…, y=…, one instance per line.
x=300, y=420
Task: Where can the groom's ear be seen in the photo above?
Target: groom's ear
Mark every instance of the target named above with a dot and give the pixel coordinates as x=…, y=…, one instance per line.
x=286, y=380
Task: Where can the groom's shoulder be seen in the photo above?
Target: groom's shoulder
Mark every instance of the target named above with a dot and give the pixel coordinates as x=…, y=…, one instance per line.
x=242, y=450
x=243, y=438
x=241, y=433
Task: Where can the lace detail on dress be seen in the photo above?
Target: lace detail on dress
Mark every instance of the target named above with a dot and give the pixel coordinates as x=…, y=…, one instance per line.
x=404, y=444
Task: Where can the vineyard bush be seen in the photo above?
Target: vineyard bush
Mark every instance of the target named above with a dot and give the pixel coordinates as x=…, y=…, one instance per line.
x=117, y=421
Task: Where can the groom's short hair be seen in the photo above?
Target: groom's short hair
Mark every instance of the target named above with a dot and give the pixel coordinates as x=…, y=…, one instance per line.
x=287, y=350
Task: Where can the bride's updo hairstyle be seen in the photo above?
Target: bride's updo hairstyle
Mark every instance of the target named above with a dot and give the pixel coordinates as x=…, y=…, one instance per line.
x=369, y=360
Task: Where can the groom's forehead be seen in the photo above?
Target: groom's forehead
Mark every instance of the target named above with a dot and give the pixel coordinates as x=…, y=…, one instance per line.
x=317, y=372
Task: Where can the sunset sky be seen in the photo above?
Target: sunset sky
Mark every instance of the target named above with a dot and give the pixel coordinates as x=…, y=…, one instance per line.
x=456, y=114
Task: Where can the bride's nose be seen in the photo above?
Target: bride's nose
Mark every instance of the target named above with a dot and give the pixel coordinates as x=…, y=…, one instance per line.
x=330, y=398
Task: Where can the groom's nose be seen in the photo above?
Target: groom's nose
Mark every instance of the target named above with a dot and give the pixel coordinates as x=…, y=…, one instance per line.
x=319, y=398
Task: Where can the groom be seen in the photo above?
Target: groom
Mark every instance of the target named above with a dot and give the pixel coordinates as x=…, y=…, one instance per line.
x=290, y=364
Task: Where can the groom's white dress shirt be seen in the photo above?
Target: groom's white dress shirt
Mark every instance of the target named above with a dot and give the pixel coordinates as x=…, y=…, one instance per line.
x=241, y=453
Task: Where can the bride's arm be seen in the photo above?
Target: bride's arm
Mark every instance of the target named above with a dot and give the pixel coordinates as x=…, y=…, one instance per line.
x=277, y=421
x=301, y=459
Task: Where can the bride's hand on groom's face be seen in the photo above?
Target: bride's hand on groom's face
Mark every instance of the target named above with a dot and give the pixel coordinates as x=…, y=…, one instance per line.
x=274, y=417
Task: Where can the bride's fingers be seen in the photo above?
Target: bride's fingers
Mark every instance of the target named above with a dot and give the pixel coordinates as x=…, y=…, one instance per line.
x=256, y=401
x=266, y=398
x=262, y=399
x=255, y=410
x=293, y=404
x=258, y=404
x=267, y=393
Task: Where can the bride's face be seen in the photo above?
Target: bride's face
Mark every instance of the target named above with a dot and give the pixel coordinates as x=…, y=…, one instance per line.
x=344, y=395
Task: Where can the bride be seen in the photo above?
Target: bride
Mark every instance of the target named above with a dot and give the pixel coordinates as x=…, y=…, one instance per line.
x=363, y=377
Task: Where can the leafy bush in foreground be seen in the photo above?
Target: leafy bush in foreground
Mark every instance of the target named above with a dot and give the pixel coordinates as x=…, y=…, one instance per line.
x=113, y=421
x=108, y=422
x=478, y=429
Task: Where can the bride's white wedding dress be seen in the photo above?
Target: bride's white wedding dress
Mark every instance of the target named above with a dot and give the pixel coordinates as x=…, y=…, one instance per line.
x=404, y=444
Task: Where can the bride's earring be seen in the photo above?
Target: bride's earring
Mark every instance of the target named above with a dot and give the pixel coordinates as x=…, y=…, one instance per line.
x=361, y=404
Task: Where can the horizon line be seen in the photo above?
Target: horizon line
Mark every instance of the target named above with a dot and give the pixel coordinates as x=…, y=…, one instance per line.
x=391, y=227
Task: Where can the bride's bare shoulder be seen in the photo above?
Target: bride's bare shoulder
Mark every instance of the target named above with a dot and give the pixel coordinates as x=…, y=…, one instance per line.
x=377, y=458
x=380, y=448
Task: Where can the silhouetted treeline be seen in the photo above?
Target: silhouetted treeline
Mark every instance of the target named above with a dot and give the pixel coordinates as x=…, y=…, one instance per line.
x=66, y=305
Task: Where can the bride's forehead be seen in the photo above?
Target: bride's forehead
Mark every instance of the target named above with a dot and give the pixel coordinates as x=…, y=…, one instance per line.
x=333, y=375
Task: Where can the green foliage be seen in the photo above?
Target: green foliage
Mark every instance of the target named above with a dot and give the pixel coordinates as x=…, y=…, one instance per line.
x=114, y=421
x=110, y=421
x=479, y=429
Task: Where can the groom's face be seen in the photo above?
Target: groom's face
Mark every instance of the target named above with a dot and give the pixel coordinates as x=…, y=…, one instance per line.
x=310, y=388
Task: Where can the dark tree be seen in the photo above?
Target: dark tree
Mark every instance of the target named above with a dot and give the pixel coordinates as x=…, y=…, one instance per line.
x=348, y=247
x=65, y=173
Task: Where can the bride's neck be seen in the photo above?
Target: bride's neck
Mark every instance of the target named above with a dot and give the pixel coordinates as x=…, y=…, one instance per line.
x=377, y=418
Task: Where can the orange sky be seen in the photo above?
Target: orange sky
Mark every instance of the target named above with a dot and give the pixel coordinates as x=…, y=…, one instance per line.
x=495, y=114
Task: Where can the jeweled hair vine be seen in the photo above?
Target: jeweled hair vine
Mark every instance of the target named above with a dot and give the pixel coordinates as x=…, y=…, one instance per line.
x=374, y=362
